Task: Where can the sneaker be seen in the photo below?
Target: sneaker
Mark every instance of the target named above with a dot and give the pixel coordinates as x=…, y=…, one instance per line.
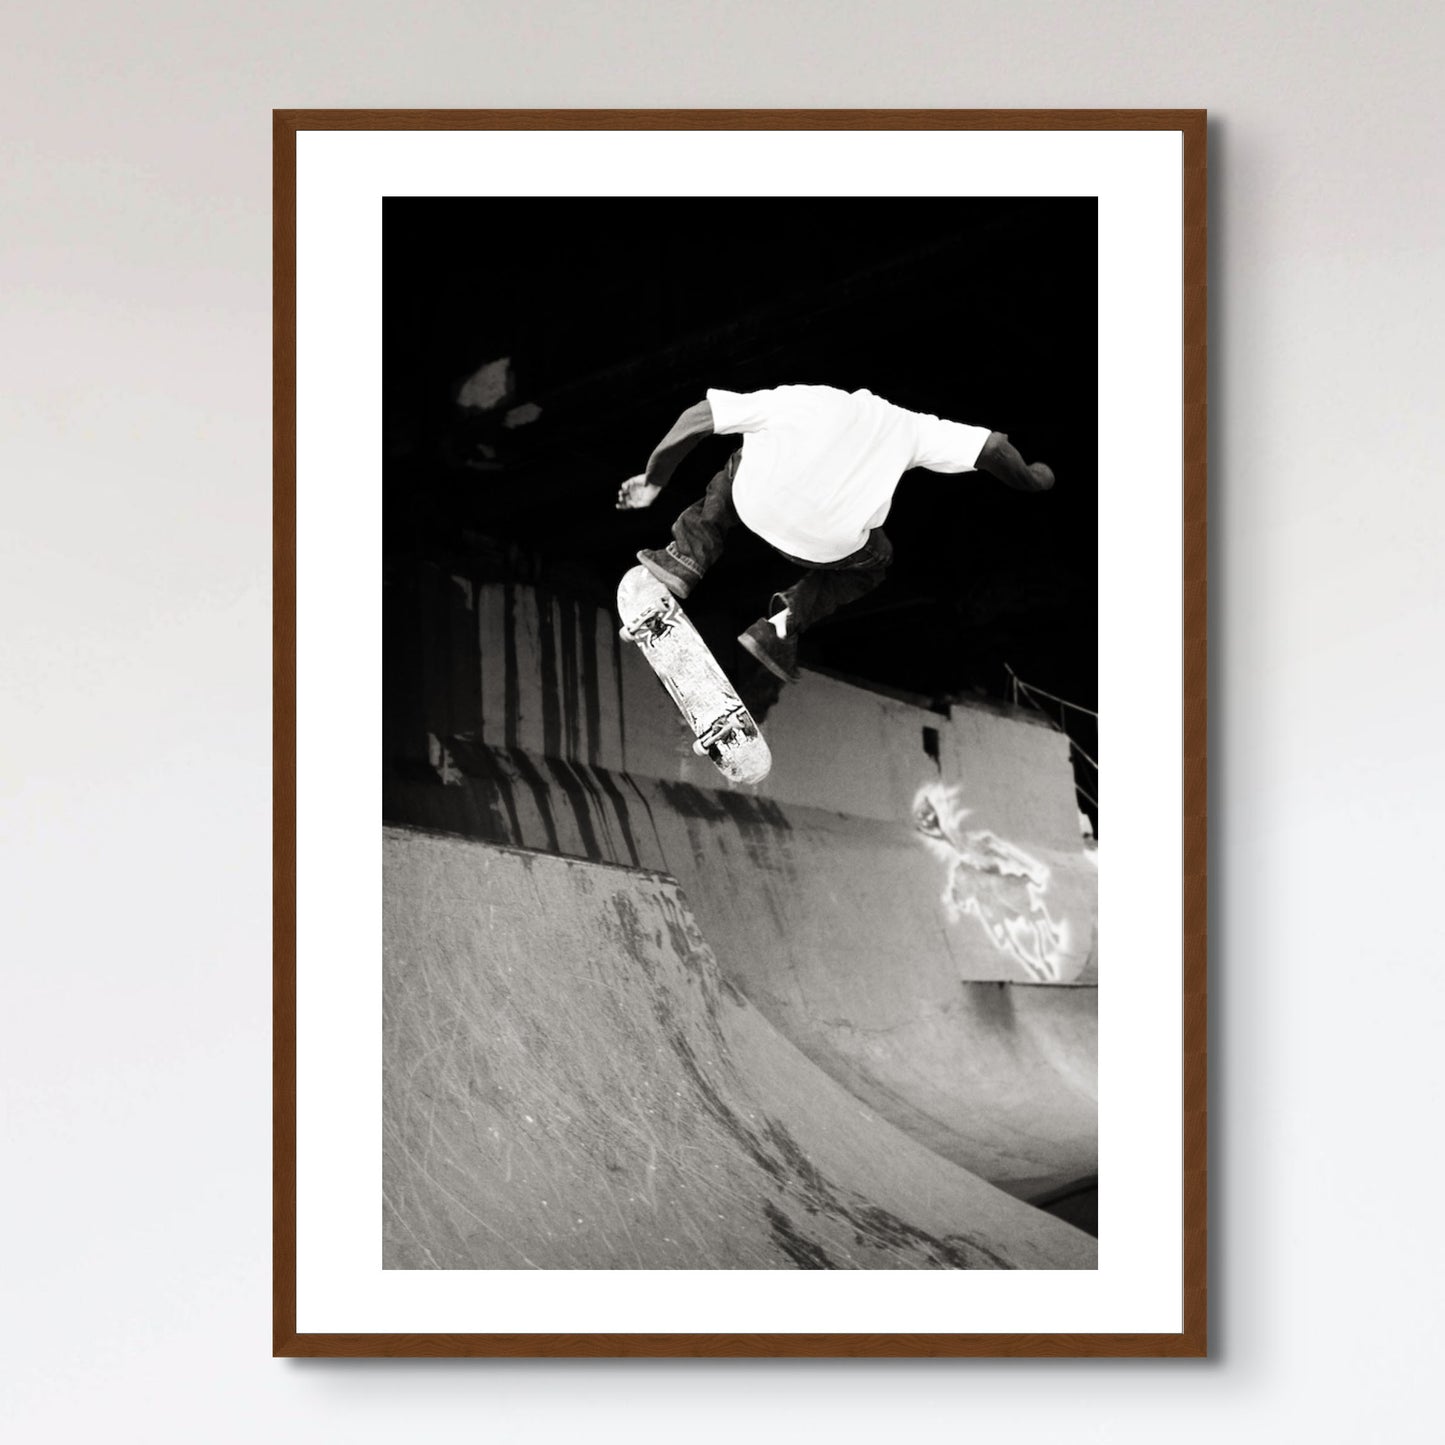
x=668, y=570
x=778, y=654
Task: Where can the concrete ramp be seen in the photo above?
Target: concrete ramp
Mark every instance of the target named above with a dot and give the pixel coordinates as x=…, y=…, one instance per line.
x=906, y=897
x=572, y=1083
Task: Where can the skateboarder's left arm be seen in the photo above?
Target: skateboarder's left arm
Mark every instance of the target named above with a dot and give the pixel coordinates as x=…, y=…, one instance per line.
x=1001, y=459
x=686, y=432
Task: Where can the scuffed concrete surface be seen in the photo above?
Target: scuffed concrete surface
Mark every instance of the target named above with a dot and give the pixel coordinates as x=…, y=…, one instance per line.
x=571, y=1083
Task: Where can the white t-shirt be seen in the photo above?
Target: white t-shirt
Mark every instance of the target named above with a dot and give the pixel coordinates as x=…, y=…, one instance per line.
x=819, y=465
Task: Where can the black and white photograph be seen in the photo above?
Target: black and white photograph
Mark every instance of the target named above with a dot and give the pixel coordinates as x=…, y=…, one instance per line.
x=741, y=804
x=879, y=566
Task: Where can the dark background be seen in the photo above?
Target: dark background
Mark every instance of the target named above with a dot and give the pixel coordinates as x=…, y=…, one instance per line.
x=618, y=314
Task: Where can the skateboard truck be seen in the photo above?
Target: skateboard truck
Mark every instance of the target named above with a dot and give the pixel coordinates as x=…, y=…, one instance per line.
x=716, y=733
x=654, y=623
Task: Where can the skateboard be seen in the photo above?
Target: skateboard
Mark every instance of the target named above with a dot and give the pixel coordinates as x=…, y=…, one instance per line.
x=723, y=728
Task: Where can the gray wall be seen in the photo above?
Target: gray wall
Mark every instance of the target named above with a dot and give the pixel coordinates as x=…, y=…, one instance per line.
x=134, y=744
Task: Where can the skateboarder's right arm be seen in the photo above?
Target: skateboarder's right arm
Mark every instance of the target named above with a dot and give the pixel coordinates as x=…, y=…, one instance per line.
x=949, y=446
x=1001, y=459
x=686, y=432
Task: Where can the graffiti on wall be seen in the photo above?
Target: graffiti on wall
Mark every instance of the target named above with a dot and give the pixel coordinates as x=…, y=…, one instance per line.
x=995, y=882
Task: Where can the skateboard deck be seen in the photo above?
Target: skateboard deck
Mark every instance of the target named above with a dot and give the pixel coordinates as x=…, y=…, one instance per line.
x=723, y=728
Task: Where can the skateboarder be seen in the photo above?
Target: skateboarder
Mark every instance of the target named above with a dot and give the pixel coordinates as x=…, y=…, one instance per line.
x=814, y=478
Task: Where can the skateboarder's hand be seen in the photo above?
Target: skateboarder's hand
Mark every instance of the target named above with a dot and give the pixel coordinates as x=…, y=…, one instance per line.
x=636, y=492
x=1043, y=476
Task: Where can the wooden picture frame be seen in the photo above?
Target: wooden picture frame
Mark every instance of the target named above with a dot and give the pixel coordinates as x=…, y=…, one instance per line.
x=1191, y=1337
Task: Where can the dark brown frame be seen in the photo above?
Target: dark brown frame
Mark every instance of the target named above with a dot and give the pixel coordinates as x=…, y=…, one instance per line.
x=1192, y=1339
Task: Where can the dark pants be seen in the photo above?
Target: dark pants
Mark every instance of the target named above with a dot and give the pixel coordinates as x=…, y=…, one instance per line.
x=699, y=534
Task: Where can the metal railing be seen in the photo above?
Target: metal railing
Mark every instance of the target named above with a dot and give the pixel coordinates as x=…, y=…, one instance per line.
x=1086, y=786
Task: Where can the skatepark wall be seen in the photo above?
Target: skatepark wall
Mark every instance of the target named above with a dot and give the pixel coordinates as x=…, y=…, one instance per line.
x=517, y=666
x=906, y=897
